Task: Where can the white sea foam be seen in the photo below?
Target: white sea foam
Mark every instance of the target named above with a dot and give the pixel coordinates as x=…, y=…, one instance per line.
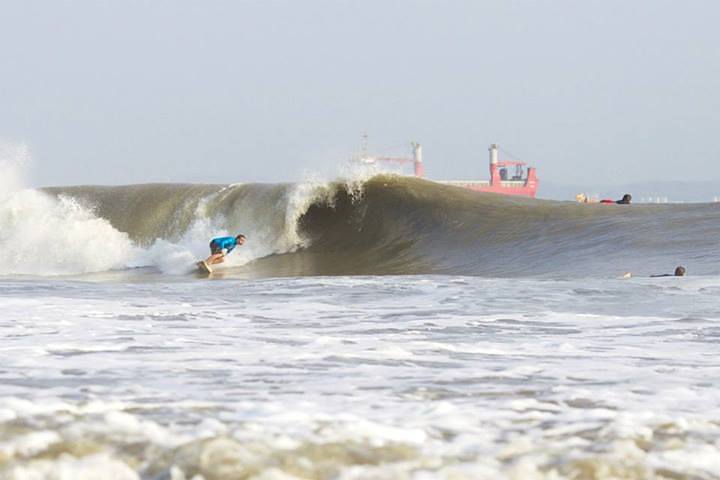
x=29, y=444
x=67, y=467
x=42, y=235
x=14, y=160
x=347, y=378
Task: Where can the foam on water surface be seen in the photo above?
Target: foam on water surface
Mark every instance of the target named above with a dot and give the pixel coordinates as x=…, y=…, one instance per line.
x=360, y=378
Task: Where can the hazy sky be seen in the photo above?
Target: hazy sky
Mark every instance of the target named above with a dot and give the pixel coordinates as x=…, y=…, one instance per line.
x=126, y=91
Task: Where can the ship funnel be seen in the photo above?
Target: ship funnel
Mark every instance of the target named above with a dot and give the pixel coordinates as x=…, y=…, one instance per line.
x=494, y=154
x=417, y=160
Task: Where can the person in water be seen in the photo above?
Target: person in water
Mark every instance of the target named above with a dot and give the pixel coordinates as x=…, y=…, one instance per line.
x=221, y=246
x=679, y=272
x=625, y=200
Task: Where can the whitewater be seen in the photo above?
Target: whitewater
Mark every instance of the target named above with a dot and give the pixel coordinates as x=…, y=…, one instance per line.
x=373, y=327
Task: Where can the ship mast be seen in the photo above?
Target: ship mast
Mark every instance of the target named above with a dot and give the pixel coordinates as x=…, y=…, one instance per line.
x=364, y=146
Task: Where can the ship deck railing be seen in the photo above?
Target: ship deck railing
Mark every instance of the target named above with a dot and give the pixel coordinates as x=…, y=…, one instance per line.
x=483, y=183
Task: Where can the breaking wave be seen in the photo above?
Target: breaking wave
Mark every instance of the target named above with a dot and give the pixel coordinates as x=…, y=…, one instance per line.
x=397, y=225
x=43, y=235
x=380, y=225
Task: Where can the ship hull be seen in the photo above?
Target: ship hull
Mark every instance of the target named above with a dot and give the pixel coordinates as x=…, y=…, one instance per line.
x=523, y=189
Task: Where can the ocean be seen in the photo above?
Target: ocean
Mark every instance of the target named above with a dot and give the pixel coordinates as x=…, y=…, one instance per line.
x=370, y=328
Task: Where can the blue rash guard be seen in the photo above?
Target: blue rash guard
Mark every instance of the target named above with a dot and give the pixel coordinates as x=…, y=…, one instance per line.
x=219, y=244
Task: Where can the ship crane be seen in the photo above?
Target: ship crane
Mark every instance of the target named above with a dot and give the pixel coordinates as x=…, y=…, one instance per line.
x=415, y=160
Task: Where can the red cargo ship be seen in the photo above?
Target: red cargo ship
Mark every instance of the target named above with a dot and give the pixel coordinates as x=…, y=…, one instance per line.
x=507, y=177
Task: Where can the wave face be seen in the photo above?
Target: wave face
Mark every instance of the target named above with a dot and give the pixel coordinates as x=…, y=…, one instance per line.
x=412, y=226
x=398, y=225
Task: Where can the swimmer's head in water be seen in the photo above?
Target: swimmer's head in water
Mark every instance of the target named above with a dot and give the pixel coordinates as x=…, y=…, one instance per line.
x=680, y=271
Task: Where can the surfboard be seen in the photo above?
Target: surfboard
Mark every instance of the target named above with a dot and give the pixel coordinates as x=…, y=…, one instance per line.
x=204, y=267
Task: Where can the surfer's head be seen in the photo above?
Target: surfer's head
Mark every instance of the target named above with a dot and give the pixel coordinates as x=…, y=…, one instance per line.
x=240, y=239
x=627, y=198
x=680, y=271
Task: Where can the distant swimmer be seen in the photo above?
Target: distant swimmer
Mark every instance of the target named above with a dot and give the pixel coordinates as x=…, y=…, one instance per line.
x=220, y=247
x=625, y=200
x=679, y=272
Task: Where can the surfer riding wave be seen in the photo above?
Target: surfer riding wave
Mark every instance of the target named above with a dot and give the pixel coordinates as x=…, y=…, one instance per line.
x=220, y=247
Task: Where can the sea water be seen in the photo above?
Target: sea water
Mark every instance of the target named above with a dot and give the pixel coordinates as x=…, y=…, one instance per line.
x=370, y=328
x=364, y=377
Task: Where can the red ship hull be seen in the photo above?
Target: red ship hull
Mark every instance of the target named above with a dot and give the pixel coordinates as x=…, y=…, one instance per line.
x=521, y=186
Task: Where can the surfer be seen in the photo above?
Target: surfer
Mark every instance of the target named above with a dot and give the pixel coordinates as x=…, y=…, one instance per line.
x=679, y=272
x=221, y=246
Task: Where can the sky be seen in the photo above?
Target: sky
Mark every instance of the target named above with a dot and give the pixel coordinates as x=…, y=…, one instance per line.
x=117, y=92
